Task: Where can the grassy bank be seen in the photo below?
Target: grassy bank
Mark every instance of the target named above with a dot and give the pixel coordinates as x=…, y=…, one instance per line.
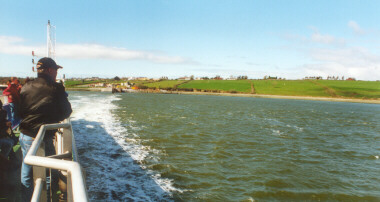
x=167, y=84
x=312, y=88
x=79, y=83
x=289, y=87
x=353, y=89
x=242, y=86
x=307, y=88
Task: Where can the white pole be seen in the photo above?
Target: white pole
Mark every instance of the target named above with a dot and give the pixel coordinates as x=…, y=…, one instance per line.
x=48, y=39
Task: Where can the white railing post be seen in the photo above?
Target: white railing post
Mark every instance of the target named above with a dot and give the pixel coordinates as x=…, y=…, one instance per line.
x=58, y=145
x=76, y=185
x=67, y=139
x=40, y=173
x=69, y=188
x=38, y=190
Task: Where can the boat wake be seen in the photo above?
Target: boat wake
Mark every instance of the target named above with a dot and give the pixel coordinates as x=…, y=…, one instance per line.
x=110, y=162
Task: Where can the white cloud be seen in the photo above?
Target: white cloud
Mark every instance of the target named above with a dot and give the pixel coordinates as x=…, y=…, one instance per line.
x=354, y=62
x=337, y=69
x=337, y=57
x=355, y=27
x=315, y=38
x=357, y=56
x=93, y=51
x=13, y=45
x=326, y=39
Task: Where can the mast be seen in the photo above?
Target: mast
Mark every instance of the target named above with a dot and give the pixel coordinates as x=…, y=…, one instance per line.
x=50, y=45
x=50, y=41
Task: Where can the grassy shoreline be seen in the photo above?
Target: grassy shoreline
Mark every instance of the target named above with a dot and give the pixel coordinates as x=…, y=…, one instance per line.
x=331, y=99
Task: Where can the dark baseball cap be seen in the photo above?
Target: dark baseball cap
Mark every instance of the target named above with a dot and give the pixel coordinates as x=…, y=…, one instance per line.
x=46, y=62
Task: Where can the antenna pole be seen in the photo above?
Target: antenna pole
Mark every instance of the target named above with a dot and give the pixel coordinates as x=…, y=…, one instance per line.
x=48, y=39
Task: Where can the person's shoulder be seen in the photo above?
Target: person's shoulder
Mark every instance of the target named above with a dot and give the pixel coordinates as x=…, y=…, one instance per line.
x=29, y=85
x=60, y=87
x=35, y=81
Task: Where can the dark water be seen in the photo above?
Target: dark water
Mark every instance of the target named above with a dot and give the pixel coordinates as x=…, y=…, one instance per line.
x=210, y=148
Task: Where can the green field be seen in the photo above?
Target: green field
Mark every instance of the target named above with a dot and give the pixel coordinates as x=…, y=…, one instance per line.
x=76, y=83
x=355, y=89
x=80, y=83
x=164, y=84
x=289, y=87
x=314, y=88
x=243, y=86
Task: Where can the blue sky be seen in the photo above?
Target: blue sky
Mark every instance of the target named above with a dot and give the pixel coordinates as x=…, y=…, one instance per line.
x=290, y=39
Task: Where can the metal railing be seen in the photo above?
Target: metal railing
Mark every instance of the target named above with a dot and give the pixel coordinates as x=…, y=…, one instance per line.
x=66, y=149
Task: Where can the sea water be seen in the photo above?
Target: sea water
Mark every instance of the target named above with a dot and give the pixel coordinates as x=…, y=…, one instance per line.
x=155, y=147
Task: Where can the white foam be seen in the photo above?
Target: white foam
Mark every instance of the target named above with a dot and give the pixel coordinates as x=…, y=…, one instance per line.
x=250, y=199
x=98, y=130
x=275, y=122
x=89, y=126
x=276, y=132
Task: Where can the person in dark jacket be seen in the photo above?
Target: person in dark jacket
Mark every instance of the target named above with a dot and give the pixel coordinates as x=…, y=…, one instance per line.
x=42, y=101
x=6, y=143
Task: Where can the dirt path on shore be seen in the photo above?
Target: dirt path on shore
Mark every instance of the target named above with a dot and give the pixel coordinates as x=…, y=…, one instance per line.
x=328, y=90
x=369, y=101
x=253, y=91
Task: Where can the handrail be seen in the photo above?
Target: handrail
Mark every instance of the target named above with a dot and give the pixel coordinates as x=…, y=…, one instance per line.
x=78, y=186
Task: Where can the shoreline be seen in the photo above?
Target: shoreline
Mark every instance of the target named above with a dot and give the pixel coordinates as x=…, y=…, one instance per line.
x=352, y=100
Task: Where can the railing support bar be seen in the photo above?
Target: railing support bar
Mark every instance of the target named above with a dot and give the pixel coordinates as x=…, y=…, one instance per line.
x=37, y=190
x=61, y=156
x=69, y=188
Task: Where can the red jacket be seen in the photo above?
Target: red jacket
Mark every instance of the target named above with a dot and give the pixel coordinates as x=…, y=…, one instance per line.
x=13, y=93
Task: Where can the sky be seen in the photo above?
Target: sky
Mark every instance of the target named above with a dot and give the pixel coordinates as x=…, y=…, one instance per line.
x=291, y=39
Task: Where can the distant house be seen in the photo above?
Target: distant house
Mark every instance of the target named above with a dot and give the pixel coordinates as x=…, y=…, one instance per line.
x=351, y=79
x=92, y=79
x=272, y=77
x=99, y=85
x=125, y=85
x=313, y=77
x=217, y=78
x=231, y=78
x=184, y=78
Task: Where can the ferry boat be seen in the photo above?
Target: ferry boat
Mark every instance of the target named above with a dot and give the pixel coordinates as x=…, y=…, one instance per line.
x=72, y=185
